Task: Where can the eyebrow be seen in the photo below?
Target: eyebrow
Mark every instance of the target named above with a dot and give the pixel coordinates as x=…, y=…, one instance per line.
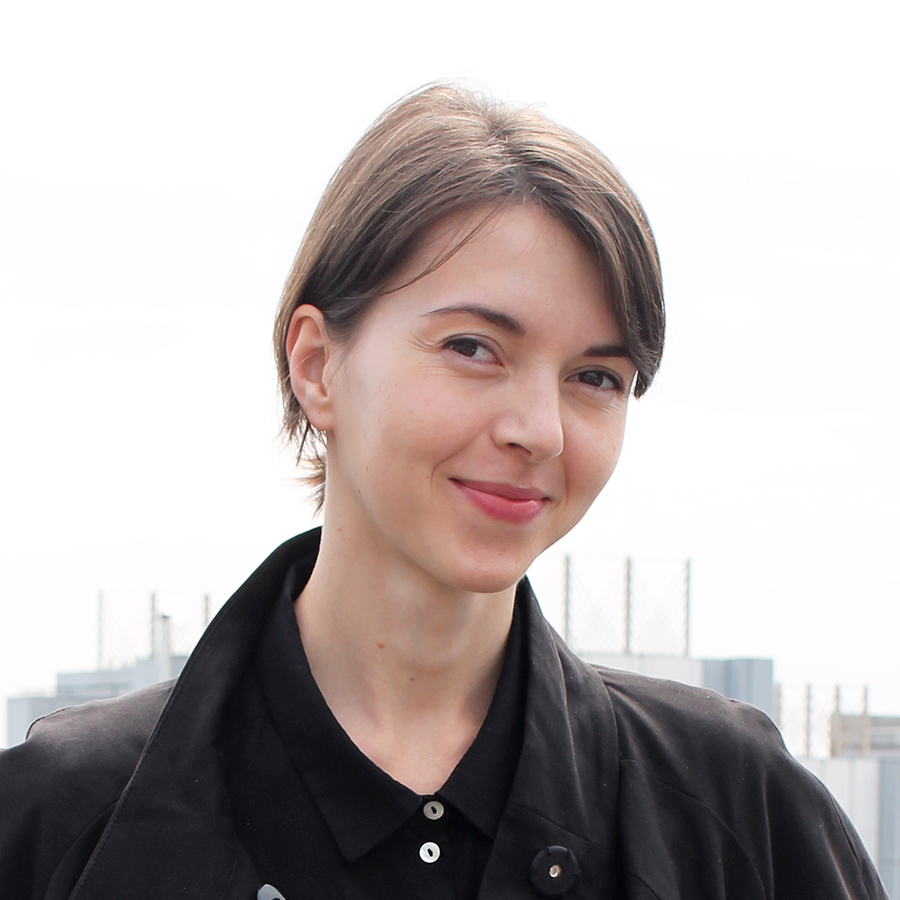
x=501, y=320
x=514, y=326
x=604, y=351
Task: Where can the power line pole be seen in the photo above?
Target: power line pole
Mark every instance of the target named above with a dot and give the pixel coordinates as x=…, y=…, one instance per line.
x=628, y=605
x=153, y=623
x=99, y=630
x=808, y=725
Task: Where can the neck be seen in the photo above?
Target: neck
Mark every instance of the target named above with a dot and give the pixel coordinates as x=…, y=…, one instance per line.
x=407, y=665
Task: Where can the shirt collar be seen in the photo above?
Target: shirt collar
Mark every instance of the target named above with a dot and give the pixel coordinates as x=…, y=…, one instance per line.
x=479, y=786
x=361, y=804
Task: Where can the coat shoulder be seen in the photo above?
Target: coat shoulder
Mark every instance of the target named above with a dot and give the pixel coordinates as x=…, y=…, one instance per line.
x=715, y=773
x=64, y=780
x=698, y=742
x=654, y=714
x=92, y=740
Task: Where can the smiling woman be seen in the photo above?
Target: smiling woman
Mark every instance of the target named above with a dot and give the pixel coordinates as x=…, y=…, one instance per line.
x=463, y=440
x=381, y=710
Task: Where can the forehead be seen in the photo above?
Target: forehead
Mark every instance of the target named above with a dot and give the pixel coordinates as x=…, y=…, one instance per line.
x=515, y=263
x=500, y=238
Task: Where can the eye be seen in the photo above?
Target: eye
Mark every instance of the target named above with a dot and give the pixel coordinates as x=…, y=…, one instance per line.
x=600, y=379
x=471, y=348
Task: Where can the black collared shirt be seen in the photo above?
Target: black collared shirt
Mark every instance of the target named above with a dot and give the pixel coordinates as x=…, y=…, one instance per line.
x=319, y=819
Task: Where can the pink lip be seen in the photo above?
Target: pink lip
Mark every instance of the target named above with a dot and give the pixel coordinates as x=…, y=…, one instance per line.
x=504, y=501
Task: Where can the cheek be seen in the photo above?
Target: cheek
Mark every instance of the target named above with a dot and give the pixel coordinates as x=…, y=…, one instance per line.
x=595, y=453
x=430, y=412
x=405, y=429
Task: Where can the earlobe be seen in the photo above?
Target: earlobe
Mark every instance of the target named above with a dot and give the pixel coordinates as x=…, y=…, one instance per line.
x=308, y=349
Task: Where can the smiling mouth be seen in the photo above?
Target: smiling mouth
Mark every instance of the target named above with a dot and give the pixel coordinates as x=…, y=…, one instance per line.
x=504, y=501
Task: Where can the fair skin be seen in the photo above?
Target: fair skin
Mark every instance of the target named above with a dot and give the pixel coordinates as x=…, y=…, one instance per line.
x=470, y=424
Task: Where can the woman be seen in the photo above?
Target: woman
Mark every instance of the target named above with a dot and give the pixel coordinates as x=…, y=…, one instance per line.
x=381, y=710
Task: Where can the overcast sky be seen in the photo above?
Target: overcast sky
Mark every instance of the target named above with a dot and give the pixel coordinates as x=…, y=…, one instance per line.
x=159, y=164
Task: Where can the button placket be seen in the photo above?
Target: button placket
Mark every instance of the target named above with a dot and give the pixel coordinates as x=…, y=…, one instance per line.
x=433, y=812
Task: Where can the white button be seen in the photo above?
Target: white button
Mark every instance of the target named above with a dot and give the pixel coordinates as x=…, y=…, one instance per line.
x=429, y=852
x=434, y=809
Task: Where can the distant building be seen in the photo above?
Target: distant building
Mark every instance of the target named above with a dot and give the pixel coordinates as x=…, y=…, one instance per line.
x=747, y=680
x=78, y=687
x=863, y=772
x=868, y=788
x=864, y=735
x=861, y=768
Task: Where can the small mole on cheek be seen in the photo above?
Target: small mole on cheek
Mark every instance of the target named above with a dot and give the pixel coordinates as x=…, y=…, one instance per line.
x=411, y=678
x=379, y=645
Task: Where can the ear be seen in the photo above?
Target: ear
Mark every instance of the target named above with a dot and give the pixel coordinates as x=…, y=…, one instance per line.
x=308, y=351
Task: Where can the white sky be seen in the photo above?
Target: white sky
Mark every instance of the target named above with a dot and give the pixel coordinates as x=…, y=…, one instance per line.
x=157, y=169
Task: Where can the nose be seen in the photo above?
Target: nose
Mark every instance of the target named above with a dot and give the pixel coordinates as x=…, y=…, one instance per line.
x=530, y=418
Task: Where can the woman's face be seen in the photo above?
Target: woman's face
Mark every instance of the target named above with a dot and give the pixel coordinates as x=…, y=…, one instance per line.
x=480, y=409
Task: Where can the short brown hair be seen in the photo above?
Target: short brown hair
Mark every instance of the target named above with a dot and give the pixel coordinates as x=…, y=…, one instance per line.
x=440, y=150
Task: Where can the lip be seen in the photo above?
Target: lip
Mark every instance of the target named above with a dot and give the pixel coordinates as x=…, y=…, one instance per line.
x=504, y=501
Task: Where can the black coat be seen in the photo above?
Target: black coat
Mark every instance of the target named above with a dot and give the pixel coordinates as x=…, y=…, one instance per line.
x=657, y=790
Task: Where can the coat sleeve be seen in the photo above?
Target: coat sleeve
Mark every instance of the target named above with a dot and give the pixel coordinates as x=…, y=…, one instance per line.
x=59, y=788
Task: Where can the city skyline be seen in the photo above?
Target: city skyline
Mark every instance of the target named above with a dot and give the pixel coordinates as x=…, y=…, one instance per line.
x=161, y=166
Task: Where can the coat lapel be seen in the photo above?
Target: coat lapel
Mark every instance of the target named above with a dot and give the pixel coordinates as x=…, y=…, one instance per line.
x=171, y=833
x=566, y=785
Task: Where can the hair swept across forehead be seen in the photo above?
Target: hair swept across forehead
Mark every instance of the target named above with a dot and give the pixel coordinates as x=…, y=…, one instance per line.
x=439, y=150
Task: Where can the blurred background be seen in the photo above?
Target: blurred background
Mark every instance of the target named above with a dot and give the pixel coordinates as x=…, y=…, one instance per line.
x=157, y=169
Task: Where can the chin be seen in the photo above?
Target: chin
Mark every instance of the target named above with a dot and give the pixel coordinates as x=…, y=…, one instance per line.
x=488, y=584
x=489, y=576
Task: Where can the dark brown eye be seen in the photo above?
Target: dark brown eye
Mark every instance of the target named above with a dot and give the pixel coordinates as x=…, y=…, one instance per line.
x=464, y=346
x=599, y=379
x=471, y=348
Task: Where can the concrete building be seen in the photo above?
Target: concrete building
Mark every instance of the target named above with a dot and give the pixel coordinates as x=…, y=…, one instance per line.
x=78, y=687
x=862, y=770
x=748, y=680
x=864, y=735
